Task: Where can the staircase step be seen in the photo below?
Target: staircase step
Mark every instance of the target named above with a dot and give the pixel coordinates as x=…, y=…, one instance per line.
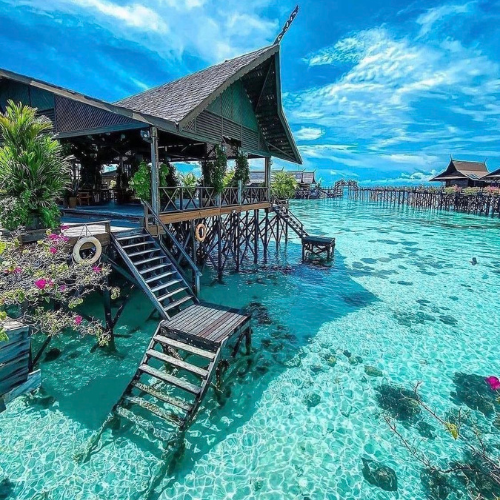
x=143, y=252
x=156, y=410
x=165, y=285
x=185, y=347
x=148, y=260
x=172, y=293
x=177, y=362
x=145, y=242
x=159, y=277
x=177, y=303
x=132, y=237
x=163, y=397
x=148, y=426
x=155, y=268
x=170, y=379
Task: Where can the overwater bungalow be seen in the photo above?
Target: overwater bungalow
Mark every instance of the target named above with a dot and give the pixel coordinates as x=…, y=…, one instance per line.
x=493, y=177
x=463, y=173
x=220, y=113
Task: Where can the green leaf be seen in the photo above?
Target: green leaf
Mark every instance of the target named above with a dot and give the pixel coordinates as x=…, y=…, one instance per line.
x=452, y=429
x=3, y=335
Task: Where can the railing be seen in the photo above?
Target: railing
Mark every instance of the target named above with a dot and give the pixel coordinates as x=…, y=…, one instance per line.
x=149, y=214
x=178, y=199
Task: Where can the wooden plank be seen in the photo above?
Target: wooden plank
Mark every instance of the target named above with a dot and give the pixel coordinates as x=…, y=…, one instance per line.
x=220, y=320
x=182, y=384
x=209, y=317
x=177, y=362
x=185, y=347
x=183, y=405
x=228, y=329
x=33, y=382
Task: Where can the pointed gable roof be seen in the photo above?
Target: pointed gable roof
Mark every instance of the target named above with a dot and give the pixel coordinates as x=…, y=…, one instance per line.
x=461, y=169
x=183, y=100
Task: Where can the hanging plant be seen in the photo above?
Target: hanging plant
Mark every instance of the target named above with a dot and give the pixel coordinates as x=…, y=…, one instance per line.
x=141, y=180
x=213, y=171
x=242, y=169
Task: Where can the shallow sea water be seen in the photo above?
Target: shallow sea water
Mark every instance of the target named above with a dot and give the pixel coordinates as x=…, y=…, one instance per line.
x=299, y=415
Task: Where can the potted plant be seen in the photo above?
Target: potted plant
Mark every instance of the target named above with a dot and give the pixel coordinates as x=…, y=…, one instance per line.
x=33, y=171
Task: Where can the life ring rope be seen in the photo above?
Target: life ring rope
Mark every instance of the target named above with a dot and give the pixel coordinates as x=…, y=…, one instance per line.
x=83, y=241
x=200, y=233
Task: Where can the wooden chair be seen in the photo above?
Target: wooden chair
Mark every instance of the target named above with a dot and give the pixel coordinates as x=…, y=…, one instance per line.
x=83, y=197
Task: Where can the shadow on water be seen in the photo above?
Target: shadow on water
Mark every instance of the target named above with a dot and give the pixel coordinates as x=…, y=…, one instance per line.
x=278, y=343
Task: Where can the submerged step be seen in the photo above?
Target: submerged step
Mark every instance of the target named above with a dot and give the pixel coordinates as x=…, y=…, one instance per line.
x=177, y=362
x=182, y=384
x=156, y=410
x=183, y=405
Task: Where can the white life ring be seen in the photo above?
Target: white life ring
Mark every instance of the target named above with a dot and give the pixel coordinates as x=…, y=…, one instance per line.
x=200, y=233
x=79, y=244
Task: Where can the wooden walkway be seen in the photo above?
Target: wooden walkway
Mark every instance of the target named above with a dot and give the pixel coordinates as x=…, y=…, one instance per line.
x=207, y=324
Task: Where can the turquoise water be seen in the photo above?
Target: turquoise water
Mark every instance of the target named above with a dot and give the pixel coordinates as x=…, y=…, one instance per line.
x=302, y=412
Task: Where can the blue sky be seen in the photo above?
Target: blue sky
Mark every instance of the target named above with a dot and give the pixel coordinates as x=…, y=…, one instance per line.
x=379, y=90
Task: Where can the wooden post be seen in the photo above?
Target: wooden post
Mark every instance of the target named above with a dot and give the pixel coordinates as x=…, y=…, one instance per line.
x=267, y=172
x=155, y=177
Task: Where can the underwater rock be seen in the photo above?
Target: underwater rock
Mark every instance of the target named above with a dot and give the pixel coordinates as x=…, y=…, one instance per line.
x=259, y=312
x=293, y=362
x=435, y=484
x=373, y=372
x=380, y=475
x=406, y=283
x=317, y=369
x=331, y=360
x=473, y=391
x=400, y=403
x=52, y=354
x=355, y=360
x=448, y=320
x=6, y=488
x=311, y=400
x=426, y=430
x=347, y=354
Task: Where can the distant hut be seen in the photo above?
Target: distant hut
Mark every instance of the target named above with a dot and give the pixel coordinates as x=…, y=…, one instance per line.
x=305, y=179
x=493, y=177
x=463, y=173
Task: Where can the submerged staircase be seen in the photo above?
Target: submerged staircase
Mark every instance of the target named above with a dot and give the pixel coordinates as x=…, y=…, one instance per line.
x=155, y=272
x=170, y=382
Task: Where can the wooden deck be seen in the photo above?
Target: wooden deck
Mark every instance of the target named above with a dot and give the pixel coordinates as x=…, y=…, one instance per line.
x=207, y=324
x=100, y=230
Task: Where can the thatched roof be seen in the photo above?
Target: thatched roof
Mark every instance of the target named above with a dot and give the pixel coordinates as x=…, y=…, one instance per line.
x=462, y=169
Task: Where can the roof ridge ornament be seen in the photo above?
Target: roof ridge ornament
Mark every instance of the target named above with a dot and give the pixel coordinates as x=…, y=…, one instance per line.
x=293, y=15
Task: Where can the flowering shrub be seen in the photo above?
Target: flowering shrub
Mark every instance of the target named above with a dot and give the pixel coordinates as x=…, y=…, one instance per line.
x=41, y=286
x=491, y=190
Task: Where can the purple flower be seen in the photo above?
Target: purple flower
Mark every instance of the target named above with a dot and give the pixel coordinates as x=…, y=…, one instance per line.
x=64, y=227
x=41, y=283
x=17, y=270
x=62, y=288
x=78, y=320
x=53, y=250
x=96, y=269
x=53, y=237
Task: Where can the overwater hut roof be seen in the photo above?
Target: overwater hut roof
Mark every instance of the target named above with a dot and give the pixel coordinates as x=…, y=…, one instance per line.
x=301, y=176
x=176, y=107
x=495, y=175
x=182, y=100
x=461, y=169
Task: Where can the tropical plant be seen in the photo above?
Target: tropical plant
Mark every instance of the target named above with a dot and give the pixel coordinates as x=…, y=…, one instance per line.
x=213, y=171
x=241, y=169
x=229, y=179
x=141, y=180
x=33, y=170
x=283, y=186
x=41, y=288
x=189, y=183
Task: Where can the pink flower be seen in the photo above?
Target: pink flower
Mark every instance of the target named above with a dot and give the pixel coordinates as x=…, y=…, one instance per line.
x=41, y=284
x=65, y=239
x=53, y=237
x=62, y=288
x=493, y=382
x=64, y=227
x=78, y=320
x=53, y=250
x=17, y=270
x=96, y=269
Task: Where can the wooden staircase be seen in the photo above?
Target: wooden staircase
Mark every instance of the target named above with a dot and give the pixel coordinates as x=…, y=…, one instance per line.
x=170, y=382
x=154, y=271
x=293, y=222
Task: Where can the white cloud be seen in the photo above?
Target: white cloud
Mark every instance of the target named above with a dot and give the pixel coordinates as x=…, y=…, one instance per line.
x=438, y=14
x=309, y=133
x=171, y=28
